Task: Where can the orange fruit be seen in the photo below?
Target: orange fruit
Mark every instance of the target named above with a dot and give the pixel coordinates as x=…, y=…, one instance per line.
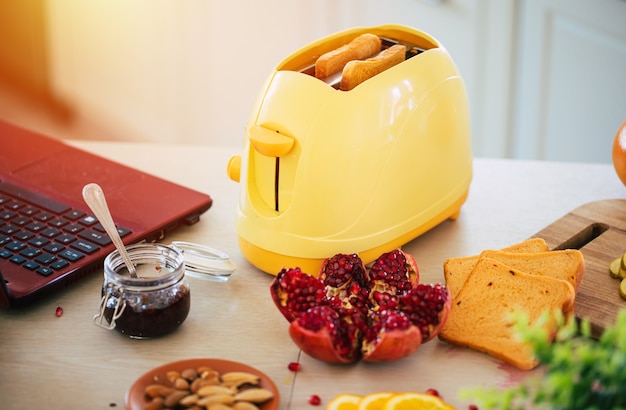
x=619, y=153
x=374, y=401
x=344, y=402
x=413, y=401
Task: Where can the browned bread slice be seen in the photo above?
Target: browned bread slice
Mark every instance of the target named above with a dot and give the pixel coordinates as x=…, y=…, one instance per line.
x=480, y=315
x=568, y=264
x=357, y=71
x=456, y=270
x=364, y=46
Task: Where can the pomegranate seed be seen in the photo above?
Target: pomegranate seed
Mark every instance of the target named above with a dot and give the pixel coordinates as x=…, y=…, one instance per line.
x=433, y=392
x=294, y=366
x=59, y=311
x=315, y=400
x=473, y=407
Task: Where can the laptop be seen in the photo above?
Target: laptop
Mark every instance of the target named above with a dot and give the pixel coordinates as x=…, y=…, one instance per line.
x=48, y=236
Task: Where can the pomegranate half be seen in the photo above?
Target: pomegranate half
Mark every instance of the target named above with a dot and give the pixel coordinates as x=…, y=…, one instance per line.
x=348, y=313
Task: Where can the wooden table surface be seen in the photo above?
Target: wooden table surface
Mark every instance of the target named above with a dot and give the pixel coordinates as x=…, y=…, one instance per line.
x=68, y=363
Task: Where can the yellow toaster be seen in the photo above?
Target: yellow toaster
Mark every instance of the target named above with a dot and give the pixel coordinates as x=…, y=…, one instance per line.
x=325, y=171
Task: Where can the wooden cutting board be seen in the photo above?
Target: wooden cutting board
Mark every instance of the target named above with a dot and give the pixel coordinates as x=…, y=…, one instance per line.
x=598, y=229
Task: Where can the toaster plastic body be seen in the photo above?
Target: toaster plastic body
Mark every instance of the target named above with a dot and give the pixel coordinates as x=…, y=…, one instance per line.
x=364, y=171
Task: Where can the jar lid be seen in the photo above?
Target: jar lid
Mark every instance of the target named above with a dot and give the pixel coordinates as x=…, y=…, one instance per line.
x=205, y=262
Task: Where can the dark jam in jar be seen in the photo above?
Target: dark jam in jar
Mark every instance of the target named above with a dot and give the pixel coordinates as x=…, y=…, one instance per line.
x=154, y=302
x=153, y=317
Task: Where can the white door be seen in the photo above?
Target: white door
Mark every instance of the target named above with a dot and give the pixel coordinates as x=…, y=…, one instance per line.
x=570, y=95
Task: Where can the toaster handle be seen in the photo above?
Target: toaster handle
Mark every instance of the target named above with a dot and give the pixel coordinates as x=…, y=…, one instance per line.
x=270, y=143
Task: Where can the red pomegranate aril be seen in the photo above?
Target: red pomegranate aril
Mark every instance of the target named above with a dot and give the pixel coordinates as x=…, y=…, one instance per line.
x=294, y=367
x=393, y=272
x=339, y=272
x=319, y=317
x=433, y=392
x=385, y=320
x=315, y=400
x=59, y=311
x=294, y=291
x=426, y=306
x=356, y=296
x=384, y=300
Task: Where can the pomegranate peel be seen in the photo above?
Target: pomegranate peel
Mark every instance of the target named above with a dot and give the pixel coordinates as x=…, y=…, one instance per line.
x=391, y=337
x=318, y=332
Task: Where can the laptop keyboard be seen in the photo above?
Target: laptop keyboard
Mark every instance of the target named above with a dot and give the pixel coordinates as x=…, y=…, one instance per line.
x=43, y=235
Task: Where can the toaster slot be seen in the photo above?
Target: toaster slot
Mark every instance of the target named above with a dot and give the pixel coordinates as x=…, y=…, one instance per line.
x=334, y=79
x=269, y=181
x=270, y=150
x=411, y=50
x=276, y=183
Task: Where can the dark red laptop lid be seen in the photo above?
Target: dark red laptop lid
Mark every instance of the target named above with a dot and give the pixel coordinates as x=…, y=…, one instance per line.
x=148, y=205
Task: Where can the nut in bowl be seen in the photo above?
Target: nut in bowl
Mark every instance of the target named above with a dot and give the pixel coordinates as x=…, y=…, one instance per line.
x=203, y=383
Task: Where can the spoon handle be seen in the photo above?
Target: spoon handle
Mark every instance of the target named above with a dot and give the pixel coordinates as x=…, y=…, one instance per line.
x=95, y=199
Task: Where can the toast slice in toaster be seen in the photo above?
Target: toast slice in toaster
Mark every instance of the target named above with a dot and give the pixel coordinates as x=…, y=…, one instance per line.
x=357, y=71
x=364, y=46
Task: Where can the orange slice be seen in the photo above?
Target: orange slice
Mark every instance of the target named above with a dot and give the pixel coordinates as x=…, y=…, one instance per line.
x=344, y=402
x=374, y=401
x=411, y=401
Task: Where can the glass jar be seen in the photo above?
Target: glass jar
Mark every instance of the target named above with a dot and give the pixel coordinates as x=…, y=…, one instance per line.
x=154, y=303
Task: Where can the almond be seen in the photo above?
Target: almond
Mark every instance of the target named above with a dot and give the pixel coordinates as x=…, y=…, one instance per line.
x=174, y=398
x=219, y=398
x=165, y=391
x=214, y=389
x=172, y=375
x=254, y=395
x=189, y=400
x=153, y=390
x=220, y=406
x=155, y=404
x=236, y=379
x=189, y=374
x=245, y=405
x=181, y=384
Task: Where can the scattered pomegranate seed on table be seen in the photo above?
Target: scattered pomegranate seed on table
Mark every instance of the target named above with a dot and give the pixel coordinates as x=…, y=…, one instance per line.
x=315, y=400
x=294, y=366
x=59, y=311
x=433, y=392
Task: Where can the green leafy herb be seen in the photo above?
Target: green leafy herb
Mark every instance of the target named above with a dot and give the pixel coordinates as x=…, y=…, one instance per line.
x=579, y=372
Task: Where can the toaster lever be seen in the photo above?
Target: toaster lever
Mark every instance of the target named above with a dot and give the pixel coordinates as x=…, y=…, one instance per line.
x=270, y=143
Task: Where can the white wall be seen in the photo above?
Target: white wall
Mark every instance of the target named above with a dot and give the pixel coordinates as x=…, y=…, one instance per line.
x=189, y=71
x=169, y=70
